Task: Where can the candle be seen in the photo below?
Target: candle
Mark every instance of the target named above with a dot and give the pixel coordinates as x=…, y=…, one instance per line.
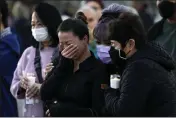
x=31, y=82
x=114, y=82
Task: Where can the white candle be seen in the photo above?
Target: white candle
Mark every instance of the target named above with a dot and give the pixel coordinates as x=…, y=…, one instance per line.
x=31, y=82
x=114, y=82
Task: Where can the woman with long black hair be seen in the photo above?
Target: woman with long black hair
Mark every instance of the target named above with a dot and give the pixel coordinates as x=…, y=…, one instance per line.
x=45, y=21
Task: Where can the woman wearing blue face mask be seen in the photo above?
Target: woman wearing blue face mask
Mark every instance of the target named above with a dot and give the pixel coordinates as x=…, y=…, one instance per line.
x=30, y=74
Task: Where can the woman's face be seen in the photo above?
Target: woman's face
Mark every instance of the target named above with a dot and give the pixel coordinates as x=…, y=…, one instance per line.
x=68, y=38
x=39, y=31
x=96, y=7
x=92, y=18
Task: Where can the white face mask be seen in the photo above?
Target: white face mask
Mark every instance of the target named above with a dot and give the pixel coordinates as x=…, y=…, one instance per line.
x=40, y=34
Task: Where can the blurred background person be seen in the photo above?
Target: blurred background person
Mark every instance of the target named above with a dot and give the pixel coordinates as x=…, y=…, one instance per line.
x=22, y=9
x=9, y=56
x=75, y=85
x=141, y=7
x=91, y=16
x=36, y=57
x=97, y=5
x=92, y=21
x=164, y=31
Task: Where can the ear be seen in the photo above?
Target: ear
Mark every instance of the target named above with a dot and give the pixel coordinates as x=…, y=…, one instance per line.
x=86, y=39
x=131, y=44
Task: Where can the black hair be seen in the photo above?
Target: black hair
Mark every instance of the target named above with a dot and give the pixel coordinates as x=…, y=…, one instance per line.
x=77, y=25
x=101, y=32
x=51, y=18
x=4, y=12
x=127, y=26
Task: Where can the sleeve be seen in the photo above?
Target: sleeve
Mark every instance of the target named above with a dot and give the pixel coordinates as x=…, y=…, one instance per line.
x=98, y=101
x=55, y=79
x=101, y=81
x=7, y=57
x=133, y=93
x=15, y=89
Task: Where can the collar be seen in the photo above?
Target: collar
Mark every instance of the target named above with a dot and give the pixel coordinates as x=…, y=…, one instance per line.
x=5, y=32
x=88, y=64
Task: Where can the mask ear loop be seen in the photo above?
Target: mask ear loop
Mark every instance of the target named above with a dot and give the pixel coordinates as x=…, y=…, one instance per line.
x=120, y=53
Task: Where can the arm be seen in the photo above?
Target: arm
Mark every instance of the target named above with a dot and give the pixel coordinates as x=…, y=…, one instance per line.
x=133, y=92
x=15, y=89
x=8, y=60
x=55, y=78
x=101, y=81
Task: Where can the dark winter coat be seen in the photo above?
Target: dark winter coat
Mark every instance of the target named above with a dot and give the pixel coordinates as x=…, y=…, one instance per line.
x=147, y=87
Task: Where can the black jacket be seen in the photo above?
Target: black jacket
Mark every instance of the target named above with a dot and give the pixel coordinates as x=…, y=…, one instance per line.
x=147, y=86
x=79, y=93
x=156, y=30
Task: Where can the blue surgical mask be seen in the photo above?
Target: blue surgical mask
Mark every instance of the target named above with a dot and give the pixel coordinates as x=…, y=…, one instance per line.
x=103, y=53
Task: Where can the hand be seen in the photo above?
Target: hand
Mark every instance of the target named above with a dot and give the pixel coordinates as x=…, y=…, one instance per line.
x=48, y=113
x=23, y=82
x=70, y=51
x=33, y=91
x=49, y=67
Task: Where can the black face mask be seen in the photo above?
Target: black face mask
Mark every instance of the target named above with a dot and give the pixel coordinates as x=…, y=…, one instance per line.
x=118, y=58
x=166, y=8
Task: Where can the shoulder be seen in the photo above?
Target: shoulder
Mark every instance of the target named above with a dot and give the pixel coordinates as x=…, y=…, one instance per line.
x=26, y=55
x=99, y=66
x=141, y=68
x=141, y=64
x=29, y=50
x=156, y=26
x=139, y=71
x=10, y=39
x=100, y=72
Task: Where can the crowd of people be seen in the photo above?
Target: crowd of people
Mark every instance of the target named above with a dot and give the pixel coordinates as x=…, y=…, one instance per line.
x=105, y=61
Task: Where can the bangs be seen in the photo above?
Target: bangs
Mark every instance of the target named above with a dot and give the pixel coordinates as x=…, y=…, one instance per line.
x=101, y=32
